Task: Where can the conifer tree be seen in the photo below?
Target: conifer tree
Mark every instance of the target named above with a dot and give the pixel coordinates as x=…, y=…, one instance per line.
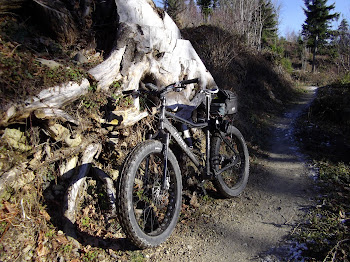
x=174, y=8
x=317, y=24
x=342, y=44
x=207, y=6
x=269, y=26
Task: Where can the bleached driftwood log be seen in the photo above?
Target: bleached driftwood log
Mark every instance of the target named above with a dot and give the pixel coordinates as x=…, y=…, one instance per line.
x=47, y=103
x=76, y=188
x=149, y=45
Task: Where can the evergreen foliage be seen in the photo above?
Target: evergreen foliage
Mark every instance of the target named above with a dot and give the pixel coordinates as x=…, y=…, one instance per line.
x=269, y=18
x=207, y=6
x=316, y=28
x=341, y=44
x=174, y=8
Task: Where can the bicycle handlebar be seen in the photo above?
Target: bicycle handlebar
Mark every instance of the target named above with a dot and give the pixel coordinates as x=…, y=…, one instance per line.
x=189, y=81
x=154, y=89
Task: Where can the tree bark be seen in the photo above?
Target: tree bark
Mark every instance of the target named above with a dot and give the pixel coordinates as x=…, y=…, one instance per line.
x=314, y=55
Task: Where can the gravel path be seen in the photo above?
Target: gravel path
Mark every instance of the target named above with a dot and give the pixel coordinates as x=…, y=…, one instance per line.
x=254, y=226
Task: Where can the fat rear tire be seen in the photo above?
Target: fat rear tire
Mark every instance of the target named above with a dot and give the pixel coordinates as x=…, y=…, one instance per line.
x=231, y=182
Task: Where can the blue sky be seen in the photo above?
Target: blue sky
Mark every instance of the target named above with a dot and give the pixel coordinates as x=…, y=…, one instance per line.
x=292, y=15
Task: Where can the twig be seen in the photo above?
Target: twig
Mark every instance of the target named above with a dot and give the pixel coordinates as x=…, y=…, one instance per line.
x=3, y=234
x=11, y=53
x=10, y=216
x=23, y=212
x=295, y=228
x=334, y=249
x=8, y=13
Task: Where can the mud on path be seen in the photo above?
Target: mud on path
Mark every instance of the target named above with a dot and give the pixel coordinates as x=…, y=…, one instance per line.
x=253, y=227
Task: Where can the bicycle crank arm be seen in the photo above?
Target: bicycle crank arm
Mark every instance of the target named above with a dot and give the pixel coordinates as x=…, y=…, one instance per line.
x=226, y=168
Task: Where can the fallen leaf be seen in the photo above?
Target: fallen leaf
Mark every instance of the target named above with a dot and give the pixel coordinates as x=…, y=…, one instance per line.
x=45, y=215
x=194, y=200
x=42, y=250
x=11, y=208
x=55, y=244
x=62, y=239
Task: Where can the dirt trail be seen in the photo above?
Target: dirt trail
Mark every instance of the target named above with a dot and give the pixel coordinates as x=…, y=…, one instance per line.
x=253, y=226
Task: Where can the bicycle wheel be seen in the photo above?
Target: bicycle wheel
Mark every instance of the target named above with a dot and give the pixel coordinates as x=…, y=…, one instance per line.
x=229, y=155
x=147, y=213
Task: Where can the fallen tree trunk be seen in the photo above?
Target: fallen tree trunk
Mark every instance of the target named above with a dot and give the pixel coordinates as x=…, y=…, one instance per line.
x=47, y=103
x=149, y=44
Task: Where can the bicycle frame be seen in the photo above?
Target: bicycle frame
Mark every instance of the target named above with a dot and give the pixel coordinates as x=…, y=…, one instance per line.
x=150, y=195
x=173, y=131
x=166, y=129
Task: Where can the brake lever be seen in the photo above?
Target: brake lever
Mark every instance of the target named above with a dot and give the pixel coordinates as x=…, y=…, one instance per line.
x=128, y=92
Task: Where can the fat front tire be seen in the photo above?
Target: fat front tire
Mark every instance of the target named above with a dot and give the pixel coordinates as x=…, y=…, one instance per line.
x=148, y=213
x=231, y=151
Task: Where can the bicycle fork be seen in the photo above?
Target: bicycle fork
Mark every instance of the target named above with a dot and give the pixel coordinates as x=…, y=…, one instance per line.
x=165, y=137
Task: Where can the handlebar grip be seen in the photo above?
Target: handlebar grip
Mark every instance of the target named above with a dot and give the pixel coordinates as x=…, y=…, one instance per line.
x=128, y=92
x=190, y=81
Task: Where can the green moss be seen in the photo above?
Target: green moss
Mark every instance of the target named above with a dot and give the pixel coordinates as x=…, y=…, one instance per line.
x=90, y=256
x=85, y=221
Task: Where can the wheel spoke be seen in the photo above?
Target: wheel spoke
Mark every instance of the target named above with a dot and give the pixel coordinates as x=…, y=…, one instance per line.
x=229, y=148
x=148, y=213
x=230, y=161
x=147, y=189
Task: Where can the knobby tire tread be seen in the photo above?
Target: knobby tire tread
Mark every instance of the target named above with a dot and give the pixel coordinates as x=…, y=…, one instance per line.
x=122, y=193
x=215, y=147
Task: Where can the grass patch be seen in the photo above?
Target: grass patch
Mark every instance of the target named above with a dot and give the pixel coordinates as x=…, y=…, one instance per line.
x=326, y=232
x=324, y=135
x=136, y=257
x=21, y=74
